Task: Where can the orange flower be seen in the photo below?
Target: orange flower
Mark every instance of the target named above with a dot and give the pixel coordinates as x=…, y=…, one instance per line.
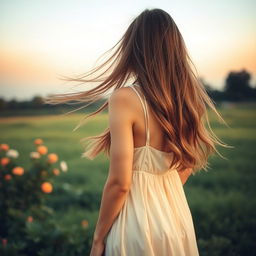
x=52, y=158
x=46, y=187
x=5, y=161
x=4, y=147
x=84, y=223
x=56, y=171
x=18, y=170
x=7, y=176
x=38, y=141
x=42, y=149
x=30, y=219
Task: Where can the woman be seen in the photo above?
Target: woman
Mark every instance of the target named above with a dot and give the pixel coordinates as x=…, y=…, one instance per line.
x=155, y=140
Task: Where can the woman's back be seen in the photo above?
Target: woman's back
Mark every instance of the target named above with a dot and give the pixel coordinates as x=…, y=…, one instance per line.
x=157, y=139
x=155, y=218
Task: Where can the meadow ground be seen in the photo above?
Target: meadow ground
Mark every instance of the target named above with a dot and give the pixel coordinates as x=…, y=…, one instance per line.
x=222, y=200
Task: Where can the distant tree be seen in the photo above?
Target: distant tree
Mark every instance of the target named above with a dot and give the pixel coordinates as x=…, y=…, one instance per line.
x=37, y=102
x=13, y=104
x=3, y=104
x=25, y=104
x=216, y=95
x=237, y=86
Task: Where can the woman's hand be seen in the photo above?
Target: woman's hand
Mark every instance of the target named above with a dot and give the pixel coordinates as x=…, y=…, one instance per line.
x=98, y=248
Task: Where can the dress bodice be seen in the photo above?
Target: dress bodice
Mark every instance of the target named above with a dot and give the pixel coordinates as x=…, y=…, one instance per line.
x=147, y=158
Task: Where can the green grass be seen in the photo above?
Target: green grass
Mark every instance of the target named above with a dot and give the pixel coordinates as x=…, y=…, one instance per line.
x=222, y=200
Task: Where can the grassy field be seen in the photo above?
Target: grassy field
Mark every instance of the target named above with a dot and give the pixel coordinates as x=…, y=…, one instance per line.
x=222, y=201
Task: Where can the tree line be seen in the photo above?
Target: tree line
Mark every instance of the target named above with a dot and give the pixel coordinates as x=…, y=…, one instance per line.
x=237, y=88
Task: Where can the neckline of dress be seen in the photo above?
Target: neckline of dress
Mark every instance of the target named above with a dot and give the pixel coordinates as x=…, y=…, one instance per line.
x=150, y=147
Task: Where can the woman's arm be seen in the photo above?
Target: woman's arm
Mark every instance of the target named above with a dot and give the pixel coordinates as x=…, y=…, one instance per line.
x=184, y=175
x=121, y=157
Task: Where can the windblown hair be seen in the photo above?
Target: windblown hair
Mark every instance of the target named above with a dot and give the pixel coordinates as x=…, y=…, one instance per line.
x=153, y=54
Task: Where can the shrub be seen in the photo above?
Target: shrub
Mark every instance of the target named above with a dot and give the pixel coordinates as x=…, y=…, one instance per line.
x=27, y=226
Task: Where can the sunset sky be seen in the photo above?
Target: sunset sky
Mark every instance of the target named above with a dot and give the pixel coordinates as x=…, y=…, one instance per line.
x=41, y=39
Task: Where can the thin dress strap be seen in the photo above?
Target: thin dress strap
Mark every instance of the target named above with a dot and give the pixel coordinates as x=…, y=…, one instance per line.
x=145, y=109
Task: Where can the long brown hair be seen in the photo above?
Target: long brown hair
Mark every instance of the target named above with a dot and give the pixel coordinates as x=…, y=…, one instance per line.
x=153, y=54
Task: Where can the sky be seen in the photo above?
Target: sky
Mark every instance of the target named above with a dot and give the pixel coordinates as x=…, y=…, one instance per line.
x=43, y=39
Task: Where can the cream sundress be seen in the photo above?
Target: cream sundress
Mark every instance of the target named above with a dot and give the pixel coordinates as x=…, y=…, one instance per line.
x=155, y=219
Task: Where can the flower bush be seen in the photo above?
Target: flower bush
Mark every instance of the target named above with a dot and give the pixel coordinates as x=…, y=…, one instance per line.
x=26, y=223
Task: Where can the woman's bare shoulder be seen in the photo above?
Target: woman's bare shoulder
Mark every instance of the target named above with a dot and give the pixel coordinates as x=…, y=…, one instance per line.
x=123, y=95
